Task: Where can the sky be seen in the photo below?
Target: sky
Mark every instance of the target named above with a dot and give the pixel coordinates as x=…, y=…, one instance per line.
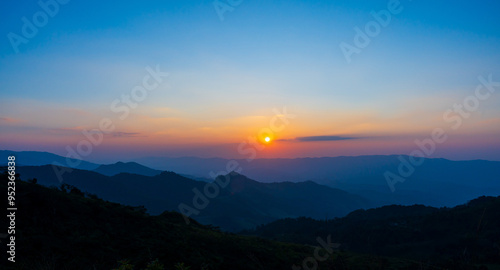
x=120, y=80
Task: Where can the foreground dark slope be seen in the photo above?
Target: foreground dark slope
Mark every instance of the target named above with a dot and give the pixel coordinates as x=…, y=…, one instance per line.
x=242, y=204
x=462, y=236
x=58, y=229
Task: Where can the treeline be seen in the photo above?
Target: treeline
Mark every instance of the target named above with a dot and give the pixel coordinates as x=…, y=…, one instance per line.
x=463, y=237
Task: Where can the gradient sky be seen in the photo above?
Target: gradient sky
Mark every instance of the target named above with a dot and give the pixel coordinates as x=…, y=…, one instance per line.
x=226, y=77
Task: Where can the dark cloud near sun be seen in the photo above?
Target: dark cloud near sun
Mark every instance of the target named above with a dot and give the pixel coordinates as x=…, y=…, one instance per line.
x=325, y=138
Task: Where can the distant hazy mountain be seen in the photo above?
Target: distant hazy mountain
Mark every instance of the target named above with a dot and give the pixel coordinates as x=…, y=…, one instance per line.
x=436, y=182
x=33, y=158
x=243, y=203
x=128, y=167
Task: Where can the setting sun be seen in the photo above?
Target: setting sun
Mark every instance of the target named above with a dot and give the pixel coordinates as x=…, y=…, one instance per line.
x=267, y=139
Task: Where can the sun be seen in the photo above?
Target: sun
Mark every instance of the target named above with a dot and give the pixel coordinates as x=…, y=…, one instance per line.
x=267, y=139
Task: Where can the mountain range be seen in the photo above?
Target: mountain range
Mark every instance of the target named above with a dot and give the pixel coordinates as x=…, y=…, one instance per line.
x=104, y=235
x=243, y=204
x=436, y=182
x=339, y=199
x=317, y=187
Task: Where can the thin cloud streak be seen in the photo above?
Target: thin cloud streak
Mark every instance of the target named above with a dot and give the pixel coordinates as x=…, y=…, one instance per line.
x=324, y=138
x=126, y=134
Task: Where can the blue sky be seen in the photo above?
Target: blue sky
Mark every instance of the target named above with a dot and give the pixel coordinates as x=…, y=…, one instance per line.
x=227, y=76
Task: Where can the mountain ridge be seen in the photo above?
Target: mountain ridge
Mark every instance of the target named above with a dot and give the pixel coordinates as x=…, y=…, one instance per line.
x=437, y=182
x=126, y=167
x=244, y=203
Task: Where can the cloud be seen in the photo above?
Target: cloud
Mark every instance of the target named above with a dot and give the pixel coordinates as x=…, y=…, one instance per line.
x=66, y=130
x=320, y=138
x=323, y=138
x=79, y=128
x=126, y=134
x=9, y=120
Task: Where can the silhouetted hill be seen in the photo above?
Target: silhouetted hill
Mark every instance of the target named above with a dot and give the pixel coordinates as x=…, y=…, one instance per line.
x=159, y=193
x=244, y=203
x=464, y=235
x=128, y=167
x=59, y=230
x=34, y=158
